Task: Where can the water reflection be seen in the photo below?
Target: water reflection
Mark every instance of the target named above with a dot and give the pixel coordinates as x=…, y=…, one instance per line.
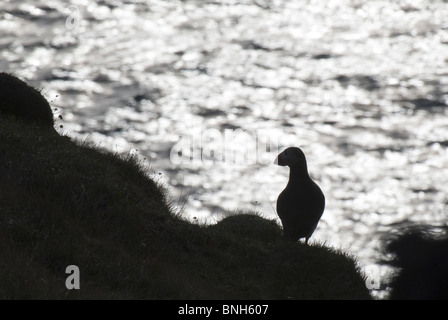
x=361, y=87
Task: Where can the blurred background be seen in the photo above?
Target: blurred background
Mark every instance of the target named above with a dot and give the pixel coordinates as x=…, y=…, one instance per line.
x=360, y=86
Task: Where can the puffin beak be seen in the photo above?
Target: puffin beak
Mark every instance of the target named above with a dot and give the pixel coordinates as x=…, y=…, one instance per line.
x=279, y=160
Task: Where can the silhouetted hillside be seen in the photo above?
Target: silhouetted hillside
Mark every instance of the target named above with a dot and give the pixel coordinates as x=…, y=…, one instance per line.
x=64, y=203
x=421, y=259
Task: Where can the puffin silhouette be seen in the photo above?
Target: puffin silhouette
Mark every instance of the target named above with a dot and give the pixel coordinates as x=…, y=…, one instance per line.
x=301, y=204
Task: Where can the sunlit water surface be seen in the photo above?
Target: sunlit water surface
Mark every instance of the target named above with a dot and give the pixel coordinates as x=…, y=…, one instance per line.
x=362, y=87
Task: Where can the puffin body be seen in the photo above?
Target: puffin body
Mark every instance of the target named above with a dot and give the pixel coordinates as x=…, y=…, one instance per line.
x=301, y=204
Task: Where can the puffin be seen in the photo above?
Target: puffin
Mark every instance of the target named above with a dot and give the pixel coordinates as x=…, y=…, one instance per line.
x=301, y=204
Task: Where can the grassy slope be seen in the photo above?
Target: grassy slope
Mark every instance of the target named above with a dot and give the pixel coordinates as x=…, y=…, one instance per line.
x=64, y=203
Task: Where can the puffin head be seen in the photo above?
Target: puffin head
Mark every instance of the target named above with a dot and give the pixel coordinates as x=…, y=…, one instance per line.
x=291, y=157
